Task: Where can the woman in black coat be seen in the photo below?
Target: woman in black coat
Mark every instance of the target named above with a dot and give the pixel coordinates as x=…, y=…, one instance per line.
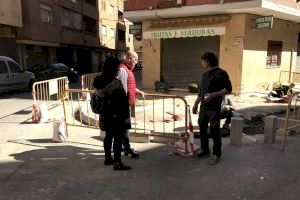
x=114, y=116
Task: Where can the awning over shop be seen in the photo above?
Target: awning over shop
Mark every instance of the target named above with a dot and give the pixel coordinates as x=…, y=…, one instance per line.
x=187, y=27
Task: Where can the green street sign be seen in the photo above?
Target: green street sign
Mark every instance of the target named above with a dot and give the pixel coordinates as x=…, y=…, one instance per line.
x=264, y=22
x=135, y=28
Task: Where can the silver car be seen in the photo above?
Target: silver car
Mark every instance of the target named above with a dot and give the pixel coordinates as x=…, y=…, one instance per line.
x=13, y=76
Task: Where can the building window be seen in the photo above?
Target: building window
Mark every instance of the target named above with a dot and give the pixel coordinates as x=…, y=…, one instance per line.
x=71, y=19
x=89, y=24
x=113, y=32
x=274, y=54
x=111, y=10
x=104, y=30
x=46, y=13
x=103, y=5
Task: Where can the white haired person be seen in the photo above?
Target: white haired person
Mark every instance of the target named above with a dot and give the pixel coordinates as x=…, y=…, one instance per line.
x=127, y=78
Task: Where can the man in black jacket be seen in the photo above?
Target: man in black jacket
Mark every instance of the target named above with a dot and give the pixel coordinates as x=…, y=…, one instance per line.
x=215, y=84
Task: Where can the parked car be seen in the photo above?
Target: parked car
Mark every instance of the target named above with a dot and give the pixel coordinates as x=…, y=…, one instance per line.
x=55, y=70
x=13, y=76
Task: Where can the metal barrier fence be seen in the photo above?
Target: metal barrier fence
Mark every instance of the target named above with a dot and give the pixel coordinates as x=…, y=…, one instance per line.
x=50, y=90
x=157, y=115
x=77, y=110
x=161, y=115
x=87, y=80
x=287, y=77
x=292, y=114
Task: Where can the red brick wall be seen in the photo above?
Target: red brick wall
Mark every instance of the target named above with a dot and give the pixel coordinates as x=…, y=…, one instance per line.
x=145, y=4
x=131, y=5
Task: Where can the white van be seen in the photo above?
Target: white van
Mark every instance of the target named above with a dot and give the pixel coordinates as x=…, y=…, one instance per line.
x=13, y=76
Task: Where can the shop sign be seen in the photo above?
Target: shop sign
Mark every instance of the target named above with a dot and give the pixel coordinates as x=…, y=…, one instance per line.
x=183, y=33
x=135, y=28
x=264, y=22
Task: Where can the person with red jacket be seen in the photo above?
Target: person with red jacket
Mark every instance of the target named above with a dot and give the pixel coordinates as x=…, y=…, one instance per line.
x=127, y=78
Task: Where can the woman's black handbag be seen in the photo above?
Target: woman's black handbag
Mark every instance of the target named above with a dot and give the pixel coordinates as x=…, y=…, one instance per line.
x=96, y=103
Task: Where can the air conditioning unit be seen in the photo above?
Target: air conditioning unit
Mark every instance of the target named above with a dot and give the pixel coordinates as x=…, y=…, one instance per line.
x=179, y=2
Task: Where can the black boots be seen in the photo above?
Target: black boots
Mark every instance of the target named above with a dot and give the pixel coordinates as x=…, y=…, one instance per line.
x=118, y=165
x=108, y=161
x=131, y=153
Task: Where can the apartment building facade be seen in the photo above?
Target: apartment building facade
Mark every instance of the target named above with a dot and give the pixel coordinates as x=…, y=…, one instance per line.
x=10, y=20
x=78, y=33
x=59, y=31
x=254, y=39
x=114, y=28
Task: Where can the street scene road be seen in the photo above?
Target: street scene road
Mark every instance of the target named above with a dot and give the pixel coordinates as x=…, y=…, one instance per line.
x=14, y=102
x=32, y=166
x=149, y=99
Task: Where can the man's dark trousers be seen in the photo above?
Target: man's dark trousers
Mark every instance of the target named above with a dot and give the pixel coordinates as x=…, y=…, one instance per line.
x=212, y=117
x=126, y=144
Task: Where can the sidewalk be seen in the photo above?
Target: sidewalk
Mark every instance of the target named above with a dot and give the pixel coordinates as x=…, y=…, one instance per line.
x=39, y=169
x=33, y=167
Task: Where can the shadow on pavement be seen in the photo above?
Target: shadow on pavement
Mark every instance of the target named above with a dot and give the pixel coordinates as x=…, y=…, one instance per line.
x=41, y=141
x=64, y=171
x=18, y=94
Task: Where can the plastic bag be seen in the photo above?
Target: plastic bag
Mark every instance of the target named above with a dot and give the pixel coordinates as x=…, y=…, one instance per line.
x=59, y=131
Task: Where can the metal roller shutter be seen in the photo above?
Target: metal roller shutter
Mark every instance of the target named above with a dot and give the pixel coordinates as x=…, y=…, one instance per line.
x=181, y=59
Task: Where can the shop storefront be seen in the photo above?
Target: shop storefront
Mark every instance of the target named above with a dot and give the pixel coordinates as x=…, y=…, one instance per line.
x=182, y=41
x=172, y=49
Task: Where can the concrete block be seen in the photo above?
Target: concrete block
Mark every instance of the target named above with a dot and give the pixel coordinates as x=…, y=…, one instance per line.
x=280, y=123
x=270, y=129
x=237, y=125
